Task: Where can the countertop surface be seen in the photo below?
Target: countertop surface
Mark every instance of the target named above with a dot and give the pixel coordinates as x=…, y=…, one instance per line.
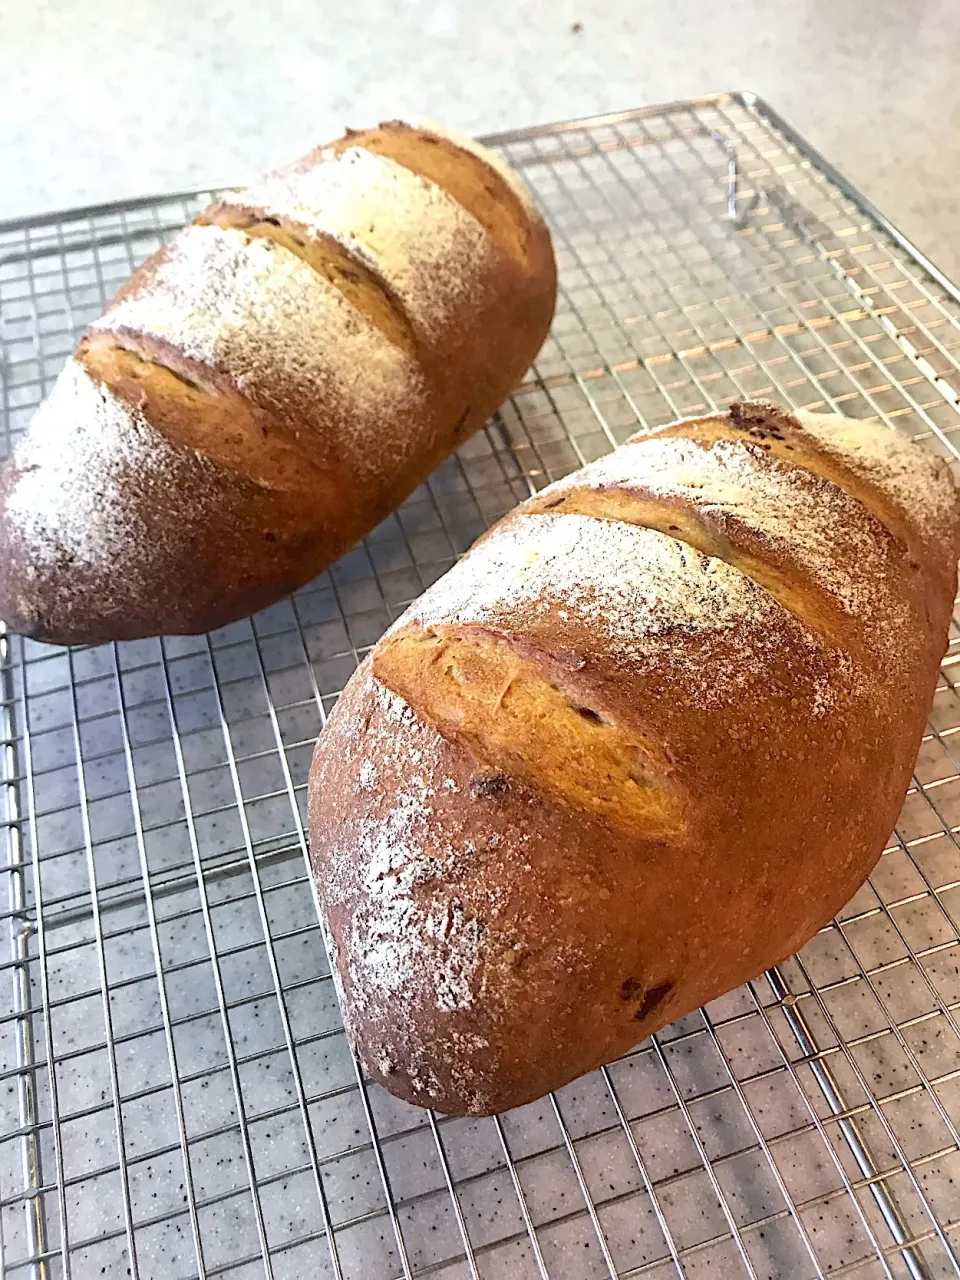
x=148, y=97
x=131, y=97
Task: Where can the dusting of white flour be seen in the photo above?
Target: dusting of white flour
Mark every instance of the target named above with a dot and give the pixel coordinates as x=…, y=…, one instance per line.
x=823, y=529
x=639, y=593
x=71, y=501
x=385, y=950
x=912, y=477
x=254, y=311
x=428, y=248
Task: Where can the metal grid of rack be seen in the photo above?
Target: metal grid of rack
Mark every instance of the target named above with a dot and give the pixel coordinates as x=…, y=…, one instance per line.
x=177, y=1096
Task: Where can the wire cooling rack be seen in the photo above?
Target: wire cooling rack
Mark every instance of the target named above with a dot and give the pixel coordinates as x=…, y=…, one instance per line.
x=178, y=1099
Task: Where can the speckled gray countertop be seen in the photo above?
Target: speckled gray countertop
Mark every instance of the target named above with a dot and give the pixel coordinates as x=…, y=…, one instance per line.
x=150, y=97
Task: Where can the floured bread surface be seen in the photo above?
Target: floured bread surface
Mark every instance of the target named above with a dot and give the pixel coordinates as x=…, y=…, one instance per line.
x=637, y=600
x=66, y=499
x=638, y=745
x=910, y=490
x=309, y=350
x=914, y=479
x=812, y=545
x=97, y=499
x=284, y=337
x=432, y=230
x=459, y=142
x=429, y=273
x=470, y=685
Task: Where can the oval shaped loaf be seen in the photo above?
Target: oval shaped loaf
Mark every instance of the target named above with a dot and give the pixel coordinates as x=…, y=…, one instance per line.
x=270, y=384
x=640, y=744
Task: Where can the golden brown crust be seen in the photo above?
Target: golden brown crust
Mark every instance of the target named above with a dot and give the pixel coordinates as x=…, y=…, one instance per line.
x=235, y=540
x=509, y=906
x=478, y=688
x=294, y=363
x=921, y=514
x=194, y=410
x=816, y=548
x=464, y=173
x=358, y=280
x=491, y=256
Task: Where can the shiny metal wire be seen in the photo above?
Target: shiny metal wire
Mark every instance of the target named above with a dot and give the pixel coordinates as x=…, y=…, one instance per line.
x=178, y=1098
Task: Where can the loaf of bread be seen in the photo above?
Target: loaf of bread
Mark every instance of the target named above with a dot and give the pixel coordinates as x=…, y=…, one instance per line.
x=640, y=744
x=270, y=384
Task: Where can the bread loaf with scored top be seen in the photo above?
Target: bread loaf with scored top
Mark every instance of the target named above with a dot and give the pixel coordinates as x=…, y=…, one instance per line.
x=270, y=384
x=637, y=746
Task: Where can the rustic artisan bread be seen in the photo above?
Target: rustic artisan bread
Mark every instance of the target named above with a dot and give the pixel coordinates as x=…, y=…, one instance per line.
x=637, y=746
x=270, y=384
